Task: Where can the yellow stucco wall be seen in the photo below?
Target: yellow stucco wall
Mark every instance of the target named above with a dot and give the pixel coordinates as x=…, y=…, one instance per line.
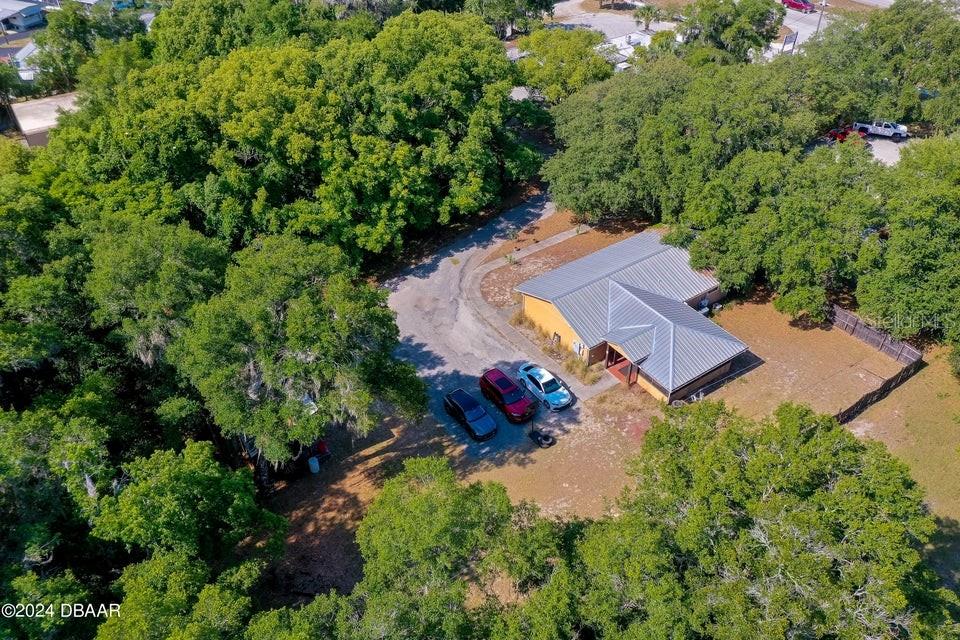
x=649, y=388
x=546, y=316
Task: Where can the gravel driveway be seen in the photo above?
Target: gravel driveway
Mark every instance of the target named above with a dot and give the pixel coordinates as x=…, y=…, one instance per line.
x=452, y=336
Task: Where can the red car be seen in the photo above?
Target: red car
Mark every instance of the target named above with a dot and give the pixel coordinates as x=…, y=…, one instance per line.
x=799, y=5
x=501, y=390
x=842, y=134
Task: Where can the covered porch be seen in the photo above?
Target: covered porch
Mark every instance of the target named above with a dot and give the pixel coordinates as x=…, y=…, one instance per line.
x=620, y=367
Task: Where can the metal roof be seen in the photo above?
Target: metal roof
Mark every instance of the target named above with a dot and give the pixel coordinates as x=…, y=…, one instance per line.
x=670, y=341
x=42, y=114
x=641, y=260
x=633, y=294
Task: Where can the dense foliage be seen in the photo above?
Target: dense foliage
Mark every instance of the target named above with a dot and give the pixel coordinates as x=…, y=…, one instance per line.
x=559, y=62
x=729, y=529
x=184, y=288
x=722, y=152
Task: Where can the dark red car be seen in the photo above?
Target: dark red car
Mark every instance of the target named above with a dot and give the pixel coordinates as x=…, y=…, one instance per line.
x=799, y=5
x=842, y=134
x=501, y=390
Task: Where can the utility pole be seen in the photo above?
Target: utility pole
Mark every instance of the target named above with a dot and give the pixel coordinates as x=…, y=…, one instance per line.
x=823, y=6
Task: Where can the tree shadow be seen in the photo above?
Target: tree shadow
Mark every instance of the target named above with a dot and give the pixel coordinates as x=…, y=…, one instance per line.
x=496, y=230
x=943, y=552
x=325, y=509
x=739, y=367
x=512, y=444
x=419, y=355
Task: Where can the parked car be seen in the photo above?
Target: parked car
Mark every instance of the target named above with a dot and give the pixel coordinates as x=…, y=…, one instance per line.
x=842, y=134
x=544, y=386
x=881, y=128
x=799, y=5
x=466, y=410
x=501, y=390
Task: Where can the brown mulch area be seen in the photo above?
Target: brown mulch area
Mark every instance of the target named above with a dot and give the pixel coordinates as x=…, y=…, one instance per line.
x=497, y=286
x=533, y=233
x=324, y=510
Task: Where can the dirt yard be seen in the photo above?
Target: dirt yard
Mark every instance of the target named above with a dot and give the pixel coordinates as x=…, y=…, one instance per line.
x=818, y=366
x=497, y=286
x=582, y=475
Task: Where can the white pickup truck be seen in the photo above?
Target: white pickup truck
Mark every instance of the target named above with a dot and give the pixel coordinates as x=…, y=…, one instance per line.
x=880, y=128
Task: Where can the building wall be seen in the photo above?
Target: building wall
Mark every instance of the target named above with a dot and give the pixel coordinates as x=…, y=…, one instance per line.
x=25, y=19
x=705, y=379
x=545, y=315
x=37, y=138
x=597, y=354
x=713, y=296
x=650, y=387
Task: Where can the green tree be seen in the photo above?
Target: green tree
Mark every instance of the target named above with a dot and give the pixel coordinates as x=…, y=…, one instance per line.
x=909, y=282
x=419, y=538
x=647, y=14
x=146, y=275
x=738, y=28
x=561, y=62
x=733, y=529
x=168, y=597
x=186, y=503
x=506, y=15
x=292, y=345
x=71, y=37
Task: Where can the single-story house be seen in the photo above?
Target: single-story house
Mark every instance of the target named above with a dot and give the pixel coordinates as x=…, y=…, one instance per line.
x=36, y=117
x=634, y=305
x=20, y=16
x=24, y=61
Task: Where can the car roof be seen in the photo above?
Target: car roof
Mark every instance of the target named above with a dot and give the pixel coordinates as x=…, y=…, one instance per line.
x=537, y=371
x=500, y=379
x=464, y=399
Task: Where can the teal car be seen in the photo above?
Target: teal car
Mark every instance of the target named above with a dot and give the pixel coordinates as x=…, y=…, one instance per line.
x=545, y=387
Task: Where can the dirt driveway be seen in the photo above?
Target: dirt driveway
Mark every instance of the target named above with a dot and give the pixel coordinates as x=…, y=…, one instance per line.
x=450, y=341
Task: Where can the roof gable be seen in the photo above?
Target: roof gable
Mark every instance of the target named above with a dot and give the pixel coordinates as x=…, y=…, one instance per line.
x=670, y=341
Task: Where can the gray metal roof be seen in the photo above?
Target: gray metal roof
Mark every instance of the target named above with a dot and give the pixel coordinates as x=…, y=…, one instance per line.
x=633, y=294
x=641, y=260
x=670, y=341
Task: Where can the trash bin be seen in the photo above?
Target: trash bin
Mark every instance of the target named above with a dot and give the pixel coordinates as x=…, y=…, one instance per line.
x=314, y=464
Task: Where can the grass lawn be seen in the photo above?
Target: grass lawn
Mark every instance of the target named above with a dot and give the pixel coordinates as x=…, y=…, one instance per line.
x=920, y=424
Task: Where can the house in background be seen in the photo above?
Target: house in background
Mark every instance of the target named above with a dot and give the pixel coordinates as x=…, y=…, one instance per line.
x=634, y=306
x=20, y=16
x=35, y=118
x=23, y=61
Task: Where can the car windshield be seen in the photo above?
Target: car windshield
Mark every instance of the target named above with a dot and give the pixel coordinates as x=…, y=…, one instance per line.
x=474, y=413
x=551, y=385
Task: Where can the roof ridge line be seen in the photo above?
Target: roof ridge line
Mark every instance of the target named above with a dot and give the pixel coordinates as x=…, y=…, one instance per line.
x=660, y=249
x=654, y=311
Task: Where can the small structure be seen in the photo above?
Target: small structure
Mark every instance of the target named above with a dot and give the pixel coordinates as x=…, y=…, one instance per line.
x=634, y=305
x=23, y=61
x=36, y=117
x=619, y=51
x=20, y=16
